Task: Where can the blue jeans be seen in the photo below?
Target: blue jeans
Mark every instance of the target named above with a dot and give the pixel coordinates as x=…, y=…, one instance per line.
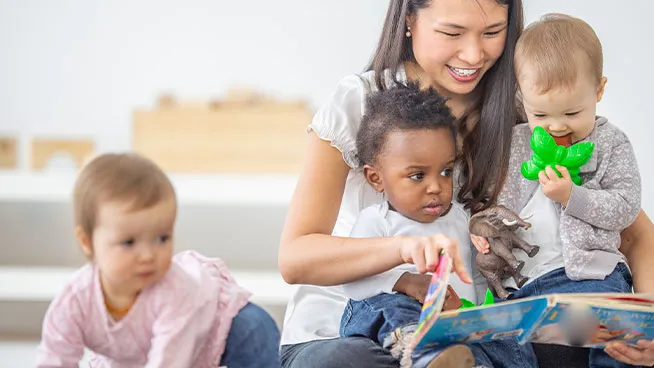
x=253, y=340
x=379, y=315
x=349, y=352
x=619, y=281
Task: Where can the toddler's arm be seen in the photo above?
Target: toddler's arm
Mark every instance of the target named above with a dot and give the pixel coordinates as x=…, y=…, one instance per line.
x=616, y=205
x=62, y=343
x=174, y=342
x=184, y=319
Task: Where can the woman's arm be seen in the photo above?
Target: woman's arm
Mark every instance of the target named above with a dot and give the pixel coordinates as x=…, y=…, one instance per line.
x=638, y=246
x=308, y=254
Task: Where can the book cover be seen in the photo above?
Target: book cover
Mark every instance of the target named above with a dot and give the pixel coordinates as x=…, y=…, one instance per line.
x=583, y=319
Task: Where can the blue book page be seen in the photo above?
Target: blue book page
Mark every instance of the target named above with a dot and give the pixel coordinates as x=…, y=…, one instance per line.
x=498, y=321
x=593, y=326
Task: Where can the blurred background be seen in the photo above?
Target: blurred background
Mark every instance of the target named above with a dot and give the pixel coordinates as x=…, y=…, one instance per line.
x=80, y=77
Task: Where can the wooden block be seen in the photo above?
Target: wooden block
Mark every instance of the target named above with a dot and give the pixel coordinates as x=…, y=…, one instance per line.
x=44, y=149
x=261, y=136
x=8, y=153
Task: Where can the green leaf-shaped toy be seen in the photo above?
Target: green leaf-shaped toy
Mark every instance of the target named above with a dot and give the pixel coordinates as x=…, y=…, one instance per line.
x=487, y=301
x=548, y=153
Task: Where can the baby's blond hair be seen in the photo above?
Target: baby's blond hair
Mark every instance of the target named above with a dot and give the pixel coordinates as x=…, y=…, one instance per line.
x=558, y=48
x=124, y=177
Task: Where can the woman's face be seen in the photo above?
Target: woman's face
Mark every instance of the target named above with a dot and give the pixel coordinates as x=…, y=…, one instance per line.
x=455, y=42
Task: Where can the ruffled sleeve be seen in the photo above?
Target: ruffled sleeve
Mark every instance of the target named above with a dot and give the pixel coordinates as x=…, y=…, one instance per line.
x=338, y=120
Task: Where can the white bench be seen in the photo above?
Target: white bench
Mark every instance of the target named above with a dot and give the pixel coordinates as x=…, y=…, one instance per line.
x=41, y=284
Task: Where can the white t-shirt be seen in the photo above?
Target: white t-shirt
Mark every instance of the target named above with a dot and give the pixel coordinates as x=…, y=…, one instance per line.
x=544, y=216
x=379, y=221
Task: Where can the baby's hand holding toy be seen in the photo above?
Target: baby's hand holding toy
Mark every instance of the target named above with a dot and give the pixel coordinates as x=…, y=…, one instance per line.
x=556, y=188
x=548, y=154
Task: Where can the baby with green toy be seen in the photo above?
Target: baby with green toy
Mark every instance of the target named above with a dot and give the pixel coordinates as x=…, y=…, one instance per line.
x=582, y=184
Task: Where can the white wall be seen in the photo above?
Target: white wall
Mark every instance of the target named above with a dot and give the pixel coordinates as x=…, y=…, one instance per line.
x=79, y=67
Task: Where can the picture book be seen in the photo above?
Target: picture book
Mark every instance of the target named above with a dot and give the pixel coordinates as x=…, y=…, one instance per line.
x=582, y=319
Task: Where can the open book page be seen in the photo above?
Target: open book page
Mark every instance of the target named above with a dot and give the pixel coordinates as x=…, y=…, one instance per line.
x=485, y=323
x=498, y=321
x=594, y=323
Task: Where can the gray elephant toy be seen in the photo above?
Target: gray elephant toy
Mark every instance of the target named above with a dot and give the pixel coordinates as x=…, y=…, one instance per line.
x=498, y=224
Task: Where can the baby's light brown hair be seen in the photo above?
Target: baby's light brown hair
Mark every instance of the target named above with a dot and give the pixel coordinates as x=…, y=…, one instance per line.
x=123, y=177
x=559, y=48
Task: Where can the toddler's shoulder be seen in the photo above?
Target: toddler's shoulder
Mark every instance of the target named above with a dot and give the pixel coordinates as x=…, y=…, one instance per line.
x=608, y=134
x=458, y=212
x=78, y=291
x=521, y=132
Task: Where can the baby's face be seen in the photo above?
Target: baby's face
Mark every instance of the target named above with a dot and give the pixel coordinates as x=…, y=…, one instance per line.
x=560, y=111
x=133, y=249
x=415, y=168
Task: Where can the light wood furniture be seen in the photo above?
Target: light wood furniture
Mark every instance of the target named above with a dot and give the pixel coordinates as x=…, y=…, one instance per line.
x=244, y=133
x=44, y=149
x=8, y=153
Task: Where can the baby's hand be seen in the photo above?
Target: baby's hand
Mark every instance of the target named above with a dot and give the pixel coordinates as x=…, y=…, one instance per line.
x=555, y=188
x=413, y=285
x=424, y=251
x=480, y=243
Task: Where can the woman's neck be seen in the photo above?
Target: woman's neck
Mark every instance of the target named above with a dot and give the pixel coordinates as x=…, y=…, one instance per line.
x=456, y=103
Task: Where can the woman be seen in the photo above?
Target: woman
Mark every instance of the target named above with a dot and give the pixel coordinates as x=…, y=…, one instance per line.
x=464, y=49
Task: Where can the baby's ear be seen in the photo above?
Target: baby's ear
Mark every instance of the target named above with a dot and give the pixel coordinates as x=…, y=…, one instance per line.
x=600, y=88
x=374, y=179
x=84, y=242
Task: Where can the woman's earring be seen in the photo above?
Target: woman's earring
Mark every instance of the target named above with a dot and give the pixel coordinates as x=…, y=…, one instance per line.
x=408, y=32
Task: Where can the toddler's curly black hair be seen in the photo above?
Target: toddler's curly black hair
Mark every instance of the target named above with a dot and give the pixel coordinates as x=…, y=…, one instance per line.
x=401, y=108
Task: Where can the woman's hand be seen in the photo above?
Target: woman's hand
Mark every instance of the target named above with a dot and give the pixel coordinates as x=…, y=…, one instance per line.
x=631, y=355
x=423, y=252
x=480, y=243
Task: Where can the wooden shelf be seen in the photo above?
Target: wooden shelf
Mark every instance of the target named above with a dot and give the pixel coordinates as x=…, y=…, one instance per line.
x=249, y=189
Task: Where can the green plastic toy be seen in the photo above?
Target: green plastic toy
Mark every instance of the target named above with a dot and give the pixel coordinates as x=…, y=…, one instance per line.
x=548, y=153
x=487, y=301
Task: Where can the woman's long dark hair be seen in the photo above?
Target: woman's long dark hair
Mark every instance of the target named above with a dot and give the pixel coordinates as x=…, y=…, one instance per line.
x=486, y=125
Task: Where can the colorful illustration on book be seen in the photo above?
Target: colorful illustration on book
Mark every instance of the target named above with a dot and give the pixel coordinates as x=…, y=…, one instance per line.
x=435, y=294
x=478, y=335
x=567, y=324
x=485, y=323
x=548, y=153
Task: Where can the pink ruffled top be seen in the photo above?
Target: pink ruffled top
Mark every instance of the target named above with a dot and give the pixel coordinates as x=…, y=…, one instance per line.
x=181, y=321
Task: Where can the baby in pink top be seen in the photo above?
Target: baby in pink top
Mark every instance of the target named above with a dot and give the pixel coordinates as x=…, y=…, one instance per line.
x=136, y=304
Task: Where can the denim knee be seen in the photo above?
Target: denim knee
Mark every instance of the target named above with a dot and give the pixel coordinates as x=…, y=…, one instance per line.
x=253, y=340
x=256, y=323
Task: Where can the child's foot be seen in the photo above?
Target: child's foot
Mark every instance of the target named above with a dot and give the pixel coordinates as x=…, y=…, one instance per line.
x=456, y=356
